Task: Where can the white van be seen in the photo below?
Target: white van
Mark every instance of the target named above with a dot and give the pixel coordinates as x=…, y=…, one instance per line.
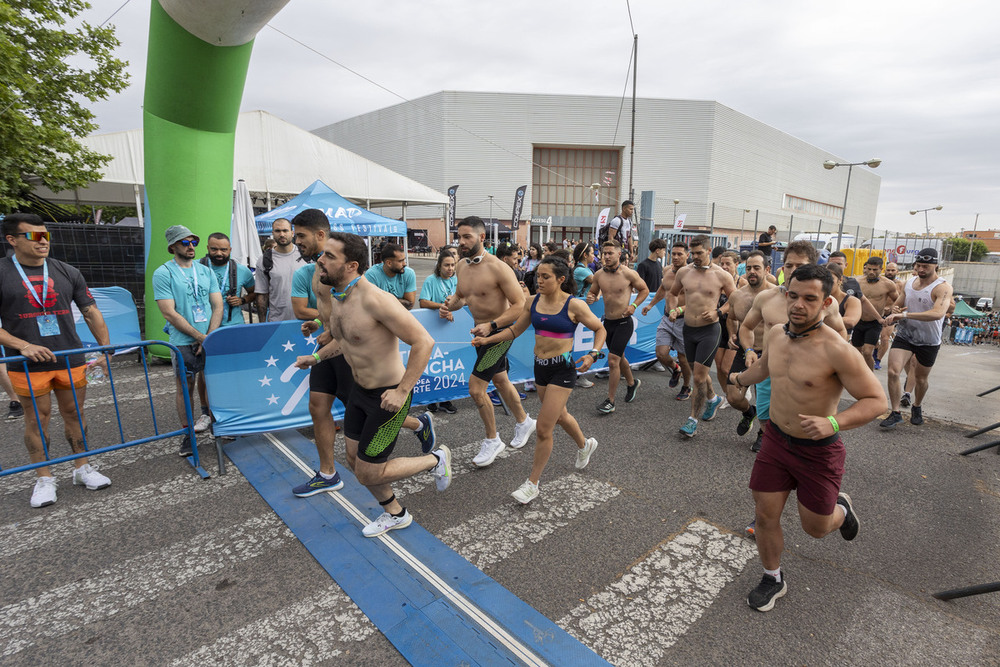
x=824, y=241
x=985, y=303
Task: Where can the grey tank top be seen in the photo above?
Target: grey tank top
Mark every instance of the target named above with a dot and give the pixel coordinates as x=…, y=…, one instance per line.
x=919, y=301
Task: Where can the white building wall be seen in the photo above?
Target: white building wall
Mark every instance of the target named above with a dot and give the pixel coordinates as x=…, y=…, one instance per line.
x=699, y=152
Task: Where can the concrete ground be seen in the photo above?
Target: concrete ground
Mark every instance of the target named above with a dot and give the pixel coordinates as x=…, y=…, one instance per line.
x=641, y=555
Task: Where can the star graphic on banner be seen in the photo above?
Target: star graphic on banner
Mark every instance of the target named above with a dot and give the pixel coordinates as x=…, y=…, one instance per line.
x=311, y=340
x=272, y=399
x=265, y=381
x=289, y=346
x=271, y=361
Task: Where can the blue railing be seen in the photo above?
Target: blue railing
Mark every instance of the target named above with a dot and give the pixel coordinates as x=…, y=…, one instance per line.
x=20, y=364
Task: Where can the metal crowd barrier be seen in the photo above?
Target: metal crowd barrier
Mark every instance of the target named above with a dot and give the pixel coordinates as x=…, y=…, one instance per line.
x=13, y=362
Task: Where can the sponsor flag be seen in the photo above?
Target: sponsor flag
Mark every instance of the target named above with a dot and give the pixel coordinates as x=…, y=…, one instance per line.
x=452, y=191
x=515, y=217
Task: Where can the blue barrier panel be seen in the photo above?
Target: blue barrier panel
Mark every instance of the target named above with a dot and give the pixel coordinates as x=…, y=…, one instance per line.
x=120, y=315
x=19, y=364
x=253, y=385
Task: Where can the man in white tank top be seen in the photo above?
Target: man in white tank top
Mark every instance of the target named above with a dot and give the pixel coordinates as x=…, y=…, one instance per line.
x=920, y=311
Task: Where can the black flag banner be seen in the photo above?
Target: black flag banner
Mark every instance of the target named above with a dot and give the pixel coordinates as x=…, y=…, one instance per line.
x=451, y=209
x=515, y=217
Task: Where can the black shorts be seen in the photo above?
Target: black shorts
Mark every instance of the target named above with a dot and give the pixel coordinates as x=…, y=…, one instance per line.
x=491, y=359
x=866, y=333
x=332, y=376
x=925, y=354
x=724, y=337
x=700, y=343
x=375, y=429
x=739, y=362
x=193, y=363
x=557, y=371
x=619, y=333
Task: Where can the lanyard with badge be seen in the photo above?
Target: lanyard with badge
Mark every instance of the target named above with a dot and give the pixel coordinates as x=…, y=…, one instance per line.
x=197, y=308
x=48, y=325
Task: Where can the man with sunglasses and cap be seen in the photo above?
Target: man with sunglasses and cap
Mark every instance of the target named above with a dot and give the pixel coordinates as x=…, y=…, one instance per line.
x=36, y=294
x=919, y=311
x=187, y=294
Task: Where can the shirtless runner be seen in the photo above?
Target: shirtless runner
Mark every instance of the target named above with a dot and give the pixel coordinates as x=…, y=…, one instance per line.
x=670, y=332
x=616, y=282
x=740, y=303
x=892, y=273
x=369, y=323
x=881, y=292
x=329, y=373
x=770, y=309
x=809, y=366
x=701, y=283
x=491, y=291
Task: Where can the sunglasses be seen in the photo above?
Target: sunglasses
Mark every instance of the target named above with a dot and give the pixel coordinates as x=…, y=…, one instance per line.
x=35, y=236
x=189, y=242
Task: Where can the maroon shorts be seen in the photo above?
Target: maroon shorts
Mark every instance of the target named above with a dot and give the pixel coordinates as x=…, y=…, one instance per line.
x=813, y=470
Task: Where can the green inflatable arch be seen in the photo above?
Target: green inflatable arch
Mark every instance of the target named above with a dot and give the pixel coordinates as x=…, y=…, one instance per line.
x=196, y=67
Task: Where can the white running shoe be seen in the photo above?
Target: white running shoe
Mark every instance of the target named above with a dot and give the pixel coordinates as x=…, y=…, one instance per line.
x=387, y=522
x=88, y=476
x=583, y=455
x=526, y=492
x=442, y=471
x=488, y=451
x=202, y=424
x=44, y=493
x=522, y=432
x=583, y=382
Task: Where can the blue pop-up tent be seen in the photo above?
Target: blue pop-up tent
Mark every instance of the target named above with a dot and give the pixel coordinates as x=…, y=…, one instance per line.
x=344, y=216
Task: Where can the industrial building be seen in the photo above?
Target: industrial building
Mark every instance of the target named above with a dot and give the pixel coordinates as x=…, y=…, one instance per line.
x=713, y=166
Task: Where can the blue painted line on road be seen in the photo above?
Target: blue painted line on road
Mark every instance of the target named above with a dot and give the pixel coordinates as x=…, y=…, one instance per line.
x=432, y=604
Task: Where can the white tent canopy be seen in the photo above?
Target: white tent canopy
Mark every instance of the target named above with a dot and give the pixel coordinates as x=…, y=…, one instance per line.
x=274, y=157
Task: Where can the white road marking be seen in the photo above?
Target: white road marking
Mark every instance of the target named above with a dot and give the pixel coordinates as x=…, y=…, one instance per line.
x=61, y=610
x=637, y=618
x=305, y=633
x=66, y=522
x=473, y=613
x=489, y=538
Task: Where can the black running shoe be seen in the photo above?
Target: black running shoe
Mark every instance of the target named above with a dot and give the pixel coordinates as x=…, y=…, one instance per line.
x=15, y=410
x=631, y=389
x=768, y=590
x=891, y=421
x=755, y=447
x=432, y=407
x=748, y=419
x=904, y=401
x=675, y=377
x=607, y=407
x=684, y=394
x=447, y=407
x=848, y=529
x=185, y=449
x=916, y=415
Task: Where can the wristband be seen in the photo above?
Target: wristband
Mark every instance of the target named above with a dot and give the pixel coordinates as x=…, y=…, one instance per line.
x=318, y=321
x=833, y=422
x=635, y=305
x=316, y=354
x=749, y=349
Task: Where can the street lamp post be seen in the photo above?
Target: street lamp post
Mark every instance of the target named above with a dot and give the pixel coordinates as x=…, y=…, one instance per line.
x=830, y=164
x=927, y=226
x=676, y=202
x=743, y=223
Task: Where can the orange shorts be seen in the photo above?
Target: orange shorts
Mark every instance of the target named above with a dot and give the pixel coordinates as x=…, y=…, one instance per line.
x=42, y=382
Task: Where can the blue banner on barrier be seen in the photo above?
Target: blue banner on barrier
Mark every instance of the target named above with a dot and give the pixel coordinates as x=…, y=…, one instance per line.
x=253, y=385
x=118, y=308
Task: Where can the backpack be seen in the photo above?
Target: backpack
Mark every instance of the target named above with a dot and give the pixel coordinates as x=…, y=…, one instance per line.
x=233, y=287
x=267, y=262
x=603, y=232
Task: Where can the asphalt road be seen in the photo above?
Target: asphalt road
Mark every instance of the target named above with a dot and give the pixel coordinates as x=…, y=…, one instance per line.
x=641, y=556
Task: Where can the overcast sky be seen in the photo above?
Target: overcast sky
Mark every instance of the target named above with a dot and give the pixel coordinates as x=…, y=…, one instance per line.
x=916, y=84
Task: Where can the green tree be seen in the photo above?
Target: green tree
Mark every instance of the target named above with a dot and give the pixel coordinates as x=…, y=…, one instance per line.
x=48, y=73
x=960, y=249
